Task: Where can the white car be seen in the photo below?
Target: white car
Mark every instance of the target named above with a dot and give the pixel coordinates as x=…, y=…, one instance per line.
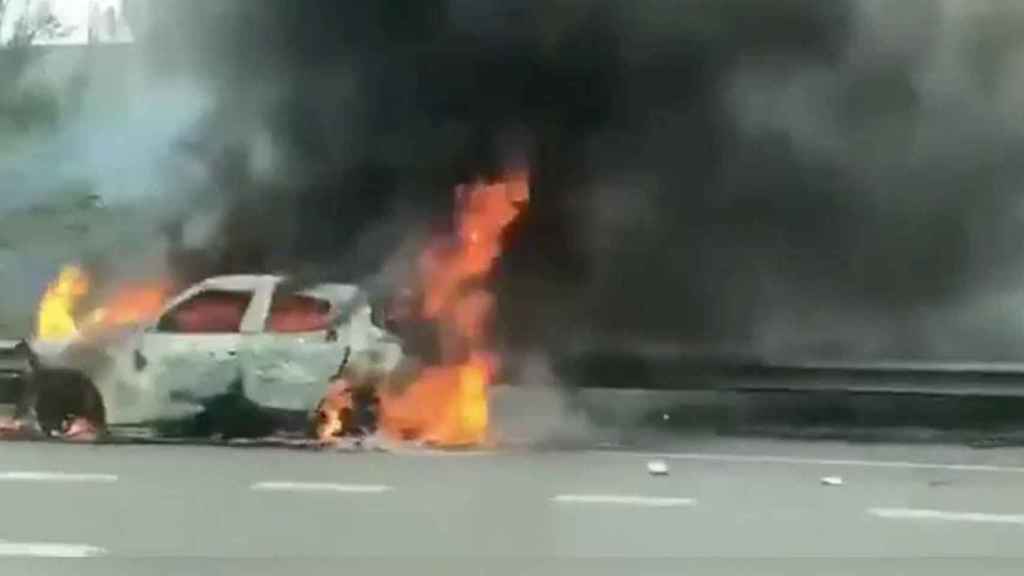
x=249, y=335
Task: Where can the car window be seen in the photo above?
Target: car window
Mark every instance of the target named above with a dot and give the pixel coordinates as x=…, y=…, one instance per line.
x=208, y=312
x=298, y=313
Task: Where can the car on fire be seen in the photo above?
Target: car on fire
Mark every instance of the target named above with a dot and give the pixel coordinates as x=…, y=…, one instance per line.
x=256, y=337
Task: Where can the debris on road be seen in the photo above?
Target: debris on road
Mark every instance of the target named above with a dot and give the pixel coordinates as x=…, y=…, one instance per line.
x=832, y=480
x=657, y=468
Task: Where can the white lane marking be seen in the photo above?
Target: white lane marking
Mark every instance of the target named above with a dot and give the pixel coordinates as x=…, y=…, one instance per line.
x=31, y=476
x=921, y=514
x=645, y=501
x=321, y=487
x=48, y=550
x=762, y=459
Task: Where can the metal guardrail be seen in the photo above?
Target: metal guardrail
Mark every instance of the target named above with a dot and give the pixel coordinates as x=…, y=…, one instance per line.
x=628, y=369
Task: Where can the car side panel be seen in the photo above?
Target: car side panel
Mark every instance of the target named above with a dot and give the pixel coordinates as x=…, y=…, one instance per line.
x=159, y=376
x=290, y=371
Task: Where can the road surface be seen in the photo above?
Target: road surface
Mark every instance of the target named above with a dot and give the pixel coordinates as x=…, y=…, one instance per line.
x=140, y=507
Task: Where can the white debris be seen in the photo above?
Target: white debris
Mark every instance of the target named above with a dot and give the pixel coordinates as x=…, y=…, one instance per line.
x=832, y=480
x=665, y=417
x=657, y=468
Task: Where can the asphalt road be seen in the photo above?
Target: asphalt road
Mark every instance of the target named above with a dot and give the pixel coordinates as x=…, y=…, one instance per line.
x=149, y=508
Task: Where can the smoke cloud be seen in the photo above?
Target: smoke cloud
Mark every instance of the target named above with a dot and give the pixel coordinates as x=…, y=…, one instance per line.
x=794, y=178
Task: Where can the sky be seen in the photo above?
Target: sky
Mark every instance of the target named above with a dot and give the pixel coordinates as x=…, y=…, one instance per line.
x=72, y=14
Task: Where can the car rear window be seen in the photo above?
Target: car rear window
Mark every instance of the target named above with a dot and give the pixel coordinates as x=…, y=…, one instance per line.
x=208, y=312
x=298, y=313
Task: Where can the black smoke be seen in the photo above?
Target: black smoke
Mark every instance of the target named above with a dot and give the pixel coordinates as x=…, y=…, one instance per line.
x=793, y=177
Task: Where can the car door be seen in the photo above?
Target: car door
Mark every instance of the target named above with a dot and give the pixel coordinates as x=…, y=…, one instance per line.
x=303, y=343
x=191, y=354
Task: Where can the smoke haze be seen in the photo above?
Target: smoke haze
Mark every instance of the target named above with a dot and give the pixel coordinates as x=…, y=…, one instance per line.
x=793, y=178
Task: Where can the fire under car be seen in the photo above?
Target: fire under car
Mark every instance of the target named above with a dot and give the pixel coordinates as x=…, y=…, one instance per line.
x=244, y=347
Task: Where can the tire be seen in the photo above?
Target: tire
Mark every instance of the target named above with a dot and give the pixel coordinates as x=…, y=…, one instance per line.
x=63, y=395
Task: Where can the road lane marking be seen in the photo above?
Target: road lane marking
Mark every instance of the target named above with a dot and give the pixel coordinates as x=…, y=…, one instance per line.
x=944, y=515
x=760, y=459
x=34, y=476
x=48, y=550
x=628, y=500
x=284, y=486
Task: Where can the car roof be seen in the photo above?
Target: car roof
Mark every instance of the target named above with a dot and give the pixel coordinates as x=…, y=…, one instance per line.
x=240, y=281
x=335, y=292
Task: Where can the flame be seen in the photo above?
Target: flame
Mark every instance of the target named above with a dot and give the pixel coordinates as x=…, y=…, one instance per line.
x=448, y=403
x=55, y=319
x=129, y=304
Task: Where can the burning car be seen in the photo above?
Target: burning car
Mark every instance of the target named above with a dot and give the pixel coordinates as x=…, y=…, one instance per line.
x=249, y=336
x=251, y=348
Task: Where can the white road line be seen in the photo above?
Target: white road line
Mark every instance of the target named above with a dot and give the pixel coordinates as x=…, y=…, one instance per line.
x=645, y=501
x=48, y=550
x=763, y=459
x=321, y=487
x=31, y=476
x=921, y=514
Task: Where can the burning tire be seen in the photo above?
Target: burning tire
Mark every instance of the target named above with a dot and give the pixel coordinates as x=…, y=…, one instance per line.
x=346, y=410
x=68, y=405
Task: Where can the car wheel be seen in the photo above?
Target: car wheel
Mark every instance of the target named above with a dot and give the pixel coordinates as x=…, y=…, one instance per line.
x=68, y=405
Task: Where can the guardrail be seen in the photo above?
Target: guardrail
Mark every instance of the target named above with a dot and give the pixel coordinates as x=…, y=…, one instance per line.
x=618, y=369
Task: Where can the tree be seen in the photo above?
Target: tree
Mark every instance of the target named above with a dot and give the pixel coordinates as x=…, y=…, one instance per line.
x=24, y=108
x=36, y=22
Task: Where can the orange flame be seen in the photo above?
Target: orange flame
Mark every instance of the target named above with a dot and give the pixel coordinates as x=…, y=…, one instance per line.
x=55, y=319
x=448, y=404
x=130, y=304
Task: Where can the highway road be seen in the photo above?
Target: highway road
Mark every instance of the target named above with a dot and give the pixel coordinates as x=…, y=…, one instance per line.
x=726, y=504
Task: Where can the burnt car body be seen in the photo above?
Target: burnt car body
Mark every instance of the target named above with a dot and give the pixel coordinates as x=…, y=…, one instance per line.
x=254, y=338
